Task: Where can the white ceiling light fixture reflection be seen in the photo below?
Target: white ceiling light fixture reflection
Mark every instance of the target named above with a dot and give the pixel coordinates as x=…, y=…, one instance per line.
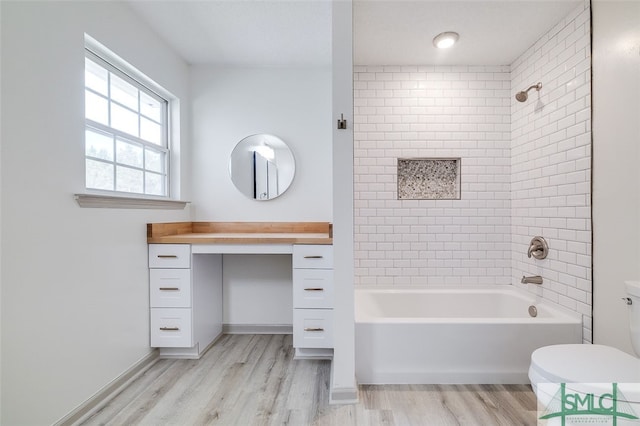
x=266, y=151
x=445, y=40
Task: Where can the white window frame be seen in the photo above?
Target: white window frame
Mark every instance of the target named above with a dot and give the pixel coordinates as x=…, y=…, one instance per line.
x=122, y=199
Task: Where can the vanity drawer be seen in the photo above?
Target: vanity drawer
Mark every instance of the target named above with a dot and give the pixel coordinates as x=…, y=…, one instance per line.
x=170, y=288
x=313, y=328
x=313, y=256
x=171, y=328
x=169, y=255
x=313, y=288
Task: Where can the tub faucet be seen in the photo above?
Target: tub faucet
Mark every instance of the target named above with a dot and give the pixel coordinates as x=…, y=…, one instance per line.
x=536, y=279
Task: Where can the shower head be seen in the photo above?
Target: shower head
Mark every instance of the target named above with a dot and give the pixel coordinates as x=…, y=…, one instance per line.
x=522, y=96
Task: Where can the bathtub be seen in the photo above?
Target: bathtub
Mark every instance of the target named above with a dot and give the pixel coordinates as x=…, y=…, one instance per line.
x=454, y=335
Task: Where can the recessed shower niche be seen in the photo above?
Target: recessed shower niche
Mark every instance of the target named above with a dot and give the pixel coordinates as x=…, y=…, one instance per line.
x=428, y=178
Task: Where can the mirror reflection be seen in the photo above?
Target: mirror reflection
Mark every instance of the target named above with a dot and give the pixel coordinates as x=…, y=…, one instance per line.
x=262, y=167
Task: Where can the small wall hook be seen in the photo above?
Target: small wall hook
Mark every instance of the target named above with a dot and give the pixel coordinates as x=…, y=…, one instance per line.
x=342, y=122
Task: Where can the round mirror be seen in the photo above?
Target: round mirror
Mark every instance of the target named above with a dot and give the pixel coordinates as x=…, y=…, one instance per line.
x=262, y=167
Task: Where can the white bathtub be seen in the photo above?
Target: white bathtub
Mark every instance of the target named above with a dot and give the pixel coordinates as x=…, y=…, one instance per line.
x=454, y=335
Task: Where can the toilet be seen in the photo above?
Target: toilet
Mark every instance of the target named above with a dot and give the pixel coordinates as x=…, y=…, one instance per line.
x=585, y=363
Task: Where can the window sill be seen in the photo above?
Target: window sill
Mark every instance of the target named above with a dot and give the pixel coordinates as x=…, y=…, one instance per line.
x=115, y=202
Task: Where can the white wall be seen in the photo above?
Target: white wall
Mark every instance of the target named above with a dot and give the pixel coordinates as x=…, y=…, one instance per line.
x=228, y=105
x=438, y=112
x=257, y=290
x=551, y=164
x=74, y=281
x=343, y=381
x=616, y=175
x=232, y=103
x=0, y=231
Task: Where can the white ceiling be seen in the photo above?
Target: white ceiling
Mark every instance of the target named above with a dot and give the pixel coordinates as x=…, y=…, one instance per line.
x=243, y=32
x=394, y=32
x=386, y=32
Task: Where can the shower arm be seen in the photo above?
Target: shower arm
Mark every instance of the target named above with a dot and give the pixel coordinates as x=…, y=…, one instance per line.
x=537, y=86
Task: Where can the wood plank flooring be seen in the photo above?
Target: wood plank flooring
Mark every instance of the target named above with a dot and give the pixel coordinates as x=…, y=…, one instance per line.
x=253, y=380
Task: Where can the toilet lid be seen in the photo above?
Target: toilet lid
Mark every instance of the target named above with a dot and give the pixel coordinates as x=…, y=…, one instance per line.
x=585, y=364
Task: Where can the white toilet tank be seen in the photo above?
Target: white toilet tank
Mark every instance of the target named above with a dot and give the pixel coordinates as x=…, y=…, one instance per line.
x=633, y=291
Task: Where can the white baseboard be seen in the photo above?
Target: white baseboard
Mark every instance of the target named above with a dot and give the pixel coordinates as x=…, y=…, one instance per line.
x=108, y=392
x=444, y=377
x=187, y=353
x=309, y=353
x=180, y=353
x=257, y=329
x=342, y=395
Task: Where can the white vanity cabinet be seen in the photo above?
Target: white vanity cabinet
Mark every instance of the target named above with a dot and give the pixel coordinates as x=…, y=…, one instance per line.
x=185, y=281
x=313, y=300
x=185, y=307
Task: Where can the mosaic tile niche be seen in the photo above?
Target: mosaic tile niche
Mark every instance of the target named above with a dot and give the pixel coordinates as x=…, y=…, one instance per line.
x=428, y=178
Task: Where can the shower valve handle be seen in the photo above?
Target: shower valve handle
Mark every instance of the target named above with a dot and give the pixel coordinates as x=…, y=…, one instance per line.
x=538, y=248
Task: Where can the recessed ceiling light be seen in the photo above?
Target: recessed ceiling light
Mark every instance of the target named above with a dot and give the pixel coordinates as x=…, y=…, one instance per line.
x=445, y=40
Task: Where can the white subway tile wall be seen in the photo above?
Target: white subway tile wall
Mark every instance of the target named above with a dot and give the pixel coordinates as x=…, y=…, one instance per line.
x=525, y=171
x=551, y=164
x=433, y=112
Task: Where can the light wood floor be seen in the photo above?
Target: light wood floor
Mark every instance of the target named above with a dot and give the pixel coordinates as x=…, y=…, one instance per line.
x=253, y=380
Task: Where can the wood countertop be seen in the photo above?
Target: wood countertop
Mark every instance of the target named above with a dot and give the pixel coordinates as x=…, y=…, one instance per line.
x=240, y=233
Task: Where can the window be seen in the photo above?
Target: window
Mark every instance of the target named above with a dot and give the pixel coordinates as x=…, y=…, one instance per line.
x=126, y=132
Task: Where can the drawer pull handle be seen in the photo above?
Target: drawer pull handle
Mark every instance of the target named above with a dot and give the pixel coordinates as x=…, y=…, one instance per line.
x=314, y=289
x=169, y=288
x=167, y=256
x=170, y=328
x=313, y=329
x=313, y=257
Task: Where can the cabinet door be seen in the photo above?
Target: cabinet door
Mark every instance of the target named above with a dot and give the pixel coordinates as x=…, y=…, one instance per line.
x=170, y=288
x=313, y=328
x=171, y=328
x=313, y=288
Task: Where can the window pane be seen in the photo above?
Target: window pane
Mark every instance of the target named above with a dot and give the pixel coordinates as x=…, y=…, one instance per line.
x=95, y=77
x=124, y=93
x=150, y=131
x=129, y=153
x=150, y=107
x=129, y=180
x=96, y=108
x=124, y=120
x=154, y=184
x=99, y=175
x=154, y=161
x=126, y=132
x=98, y=145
